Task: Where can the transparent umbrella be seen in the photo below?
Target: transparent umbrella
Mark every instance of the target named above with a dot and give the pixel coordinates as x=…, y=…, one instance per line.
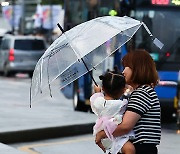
x=81, y=49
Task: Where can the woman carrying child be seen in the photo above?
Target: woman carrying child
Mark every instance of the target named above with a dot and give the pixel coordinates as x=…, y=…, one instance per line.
x=143, y=113
x=110, y=109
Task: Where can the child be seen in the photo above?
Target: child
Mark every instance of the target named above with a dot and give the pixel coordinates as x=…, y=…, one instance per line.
x=110, y=109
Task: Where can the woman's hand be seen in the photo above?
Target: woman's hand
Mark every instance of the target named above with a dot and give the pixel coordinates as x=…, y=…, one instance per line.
x=99, y=136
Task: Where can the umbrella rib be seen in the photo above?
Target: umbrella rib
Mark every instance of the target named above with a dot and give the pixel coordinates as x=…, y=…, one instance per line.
x=80, y=56
x=85, y=67
x=30, y=94
x=48, y=77
x=63, y=71
x=41, y=75
x=55, y=50
x=106, y=23
x=63, y=32
x=90, y=63
x=57, y=64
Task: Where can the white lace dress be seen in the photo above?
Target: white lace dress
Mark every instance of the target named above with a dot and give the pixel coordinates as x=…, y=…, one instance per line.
x=110, y=113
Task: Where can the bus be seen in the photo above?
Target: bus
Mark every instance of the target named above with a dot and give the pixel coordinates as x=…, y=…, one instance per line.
x=163, y=19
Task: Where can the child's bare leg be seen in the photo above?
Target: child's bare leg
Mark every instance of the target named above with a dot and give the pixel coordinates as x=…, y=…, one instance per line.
x=128, y=148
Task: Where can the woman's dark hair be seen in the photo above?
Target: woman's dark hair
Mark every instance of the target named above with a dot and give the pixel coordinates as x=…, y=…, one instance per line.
x=113, y=83
x=143, y=67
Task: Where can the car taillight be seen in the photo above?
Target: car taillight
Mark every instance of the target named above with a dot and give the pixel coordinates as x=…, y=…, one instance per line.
x=11, y=55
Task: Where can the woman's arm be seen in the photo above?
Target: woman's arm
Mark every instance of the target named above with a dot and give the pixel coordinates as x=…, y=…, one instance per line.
x=129, y=120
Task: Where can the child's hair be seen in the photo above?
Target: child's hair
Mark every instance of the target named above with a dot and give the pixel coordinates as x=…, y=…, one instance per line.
x=113, y=83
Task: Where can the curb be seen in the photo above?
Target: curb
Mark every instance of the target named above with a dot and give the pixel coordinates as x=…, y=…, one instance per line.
x=45, y=133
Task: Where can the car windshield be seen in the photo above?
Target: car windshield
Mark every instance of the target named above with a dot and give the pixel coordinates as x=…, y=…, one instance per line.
x=29, y=45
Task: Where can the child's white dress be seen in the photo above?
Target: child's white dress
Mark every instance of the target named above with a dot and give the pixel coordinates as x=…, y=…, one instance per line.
x=110, y=113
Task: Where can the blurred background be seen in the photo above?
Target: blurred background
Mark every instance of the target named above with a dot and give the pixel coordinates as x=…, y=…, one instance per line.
x=26, y=21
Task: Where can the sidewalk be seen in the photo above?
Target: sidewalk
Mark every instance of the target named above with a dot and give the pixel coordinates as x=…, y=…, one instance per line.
x=35, y=125
x=67, y=123
x=49, y=118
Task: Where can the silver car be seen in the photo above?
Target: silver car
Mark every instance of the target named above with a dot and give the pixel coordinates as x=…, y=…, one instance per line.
x=20, y=53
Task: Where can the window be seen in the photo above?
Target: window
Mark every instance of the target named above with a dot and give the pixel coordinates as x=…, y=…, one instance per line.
x=29, y=45
x=164, y=24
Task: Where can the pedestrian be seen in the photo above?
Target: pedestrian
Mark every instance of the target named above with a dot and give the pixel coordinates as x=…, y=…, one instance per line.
x=143, y=110
x=110, y=109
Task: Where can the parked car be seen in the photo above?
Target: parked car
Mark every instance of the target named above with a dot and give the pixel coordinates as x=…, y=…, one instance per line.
x=20, y=53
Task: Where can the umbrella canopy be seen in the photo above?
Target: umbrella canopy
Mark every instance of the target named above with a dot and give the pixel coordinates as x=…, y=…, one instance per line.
x=81, y=49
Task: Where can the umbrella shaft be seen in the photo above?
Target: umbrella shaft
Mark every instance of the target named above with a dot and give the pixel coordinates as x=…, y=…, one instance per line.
x=62, y=30
x=89, y=71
